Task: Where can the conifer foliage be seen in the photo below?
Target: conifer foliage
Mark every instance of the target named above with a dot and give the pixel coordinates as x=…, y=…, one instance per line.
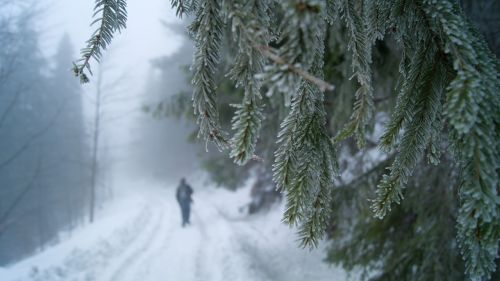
x=448, y=86
x=109, y=16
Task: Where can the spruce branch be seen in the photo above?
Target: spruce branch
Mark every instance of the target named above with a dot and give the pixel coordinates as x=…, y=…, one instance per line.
x=434, y=150
x=110, y=16
x=182, y=7
x=247, y=123
x=317, y=219
x=305, y=162
x=299, y=193
x=376, y=16
x=405, y=104
x=285, y=155
x=258, y=38
x=416, y=137
x=471, y=106
x=270, y=53
x=331, y=7
x=207, y=30
x=248, y=63
x=360, y=44
x=249, y=32
x=296, y=46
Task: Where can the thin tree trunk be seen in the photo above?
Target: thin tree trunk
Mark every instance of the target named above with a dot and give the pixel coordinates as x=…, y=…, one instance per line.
x=95, y=145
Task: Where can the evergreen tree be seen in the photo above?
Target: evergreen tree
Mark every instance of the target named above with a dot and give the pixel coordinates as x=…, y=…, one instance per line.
x=448, y=90
x=168, y=92
x=414, y=242
x=68, y=146
x=41, y=149
x=21, y=128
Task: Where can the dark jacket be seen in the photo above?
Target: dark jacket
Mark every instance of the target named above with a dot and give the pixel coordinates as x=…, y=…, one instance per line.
x=183, y=194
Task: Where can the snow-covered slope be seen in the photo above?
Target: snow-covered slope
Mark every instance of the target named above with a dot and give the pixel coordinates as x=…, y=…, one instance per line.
x=138, y=237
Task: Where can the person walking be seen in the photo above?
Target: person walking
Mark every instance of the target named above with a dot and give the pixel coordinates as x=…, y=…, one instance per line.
x=183, y=195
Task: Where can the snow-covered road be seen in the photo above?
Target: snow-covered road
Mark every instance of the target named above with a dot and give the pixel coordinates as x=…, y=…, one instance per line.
x=139, y=238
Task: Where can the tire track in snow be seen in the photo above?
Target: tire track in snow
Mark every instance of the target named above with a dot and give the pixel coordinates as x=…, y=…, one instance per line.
x=269, y=261
x=175, y=258
x=129, y=259
x=158, y=247
x=239, y=241
x=143, y=271
x=201, y=273
x=219, y=242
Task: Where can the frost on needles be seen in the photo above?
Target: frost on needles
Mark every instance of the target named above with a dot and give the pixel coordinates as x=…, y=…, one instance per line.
x=449, y=89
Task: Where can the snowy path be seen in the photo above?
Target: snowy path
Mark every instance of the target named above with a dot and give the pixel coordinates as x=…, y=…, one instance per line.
x=145, y=242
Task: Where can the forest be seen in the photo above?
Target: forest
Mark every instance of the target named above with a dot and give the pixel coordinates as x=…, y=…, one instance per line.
x=347, y=139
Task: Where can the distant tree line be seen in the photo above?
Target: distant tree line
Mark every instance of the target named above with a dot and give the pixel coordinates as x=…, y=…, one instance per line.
x=44, y=167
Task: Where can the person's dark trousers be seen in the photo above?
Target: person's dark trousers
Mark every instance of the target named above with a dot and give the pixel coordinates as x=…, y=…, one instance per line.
x=185, y=209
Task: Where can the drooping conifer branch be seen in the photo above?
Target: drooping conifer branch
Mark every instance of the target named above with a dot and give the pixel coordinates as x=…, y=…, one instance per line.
x=182, y=7
x=417, y=134
x=246, y=17
x=207, y=31
x=109, y=16
x=360, y=44
x=472, y=108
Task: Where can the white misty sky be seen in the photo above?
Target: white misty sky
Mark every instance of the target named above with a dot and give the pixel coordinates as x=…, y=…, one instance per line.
x=144, y=39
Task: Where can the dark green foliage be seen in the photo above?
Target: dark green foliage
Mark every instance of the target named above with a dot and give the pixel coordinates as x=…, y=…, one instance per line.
x=221, y=173
x=182, y=6
x=207, y=32
x=429, y=86
x=360, y=44
x=247, y=121
x=416, y=241
x=472, y=110
x=248, y=63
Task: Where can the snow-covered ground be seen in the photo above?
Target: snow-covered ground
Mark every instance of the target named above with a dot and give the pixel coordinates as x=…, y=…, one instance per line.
x=138, y=237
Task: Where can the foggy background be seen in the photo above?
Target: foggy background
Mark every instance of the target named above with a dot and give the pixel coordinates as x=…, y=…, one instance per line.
x=129, y=138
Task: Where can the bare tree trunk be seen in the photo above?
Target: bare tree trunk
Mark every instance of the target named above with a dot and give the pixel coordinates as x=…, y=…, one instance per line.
x=95, y=146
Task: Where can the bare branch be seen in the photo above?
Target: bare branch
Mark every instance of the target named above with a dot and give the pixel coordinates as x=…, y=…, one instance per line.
x=31, y=139
x=18, y=199
x=269, y=53
x=10, y=106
